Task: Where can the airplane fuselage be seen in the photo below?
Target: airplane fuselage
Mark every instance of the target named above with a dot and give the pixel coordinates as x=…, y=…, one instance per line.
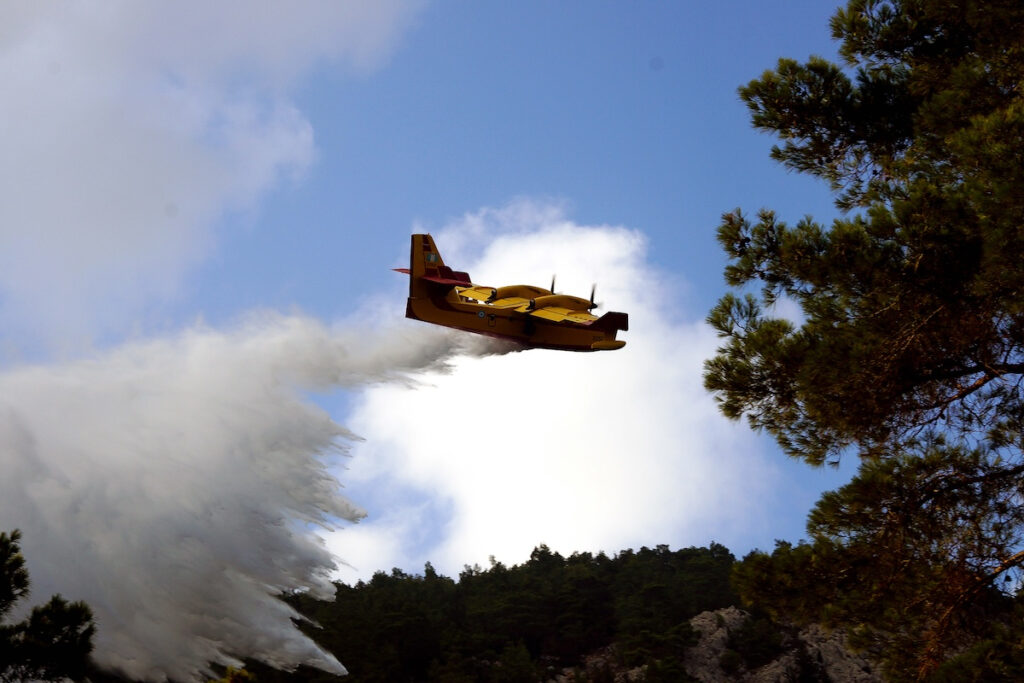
x=451, y=310
x=525, y=314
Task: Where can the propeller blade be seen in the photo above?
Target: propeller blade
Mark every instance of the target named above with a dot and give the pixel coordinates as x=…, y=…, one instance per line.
x=593, y=290
x=552, y=284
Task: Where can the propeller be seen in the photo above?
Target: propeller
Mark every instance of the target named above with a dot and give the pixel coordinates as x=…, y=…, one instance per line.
x=593, y=304
x=552, y=290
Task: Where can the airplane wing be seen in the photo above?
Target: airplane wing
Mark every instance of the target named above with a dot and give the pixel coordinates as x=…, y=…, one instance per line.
x=522, y=305
x=477, y=293
x=558, y=314
x=510, y=302
x=486, y=295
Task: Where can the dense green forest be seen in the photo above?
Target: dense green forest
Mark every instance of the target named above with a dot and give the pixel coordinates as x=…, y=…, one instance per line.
x=519, y=623
x=527, y=622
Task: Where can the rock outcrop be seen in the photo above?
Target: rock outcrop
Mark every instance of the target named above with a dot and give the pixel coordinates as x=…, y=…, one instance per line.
x=809, y=654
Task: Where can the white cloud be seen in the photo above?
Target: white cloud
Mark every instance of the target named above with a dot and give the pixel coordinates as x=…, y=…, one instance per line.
x=592, y=452
x=130, y=128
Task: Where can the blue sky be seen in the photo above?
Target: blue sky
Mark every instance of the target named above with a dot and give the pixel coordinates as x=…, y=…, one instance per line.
x=626, y=111
x=199, y=209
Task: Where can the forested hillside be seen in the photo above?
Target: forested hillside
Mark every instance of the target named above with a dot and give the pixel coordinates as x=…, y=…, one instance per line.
x=523, y=622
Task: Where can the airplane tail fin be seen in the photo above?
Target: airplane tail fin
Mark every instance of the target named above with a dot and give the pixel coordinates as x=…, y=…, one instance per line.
x=424, y=258
x=427, y=266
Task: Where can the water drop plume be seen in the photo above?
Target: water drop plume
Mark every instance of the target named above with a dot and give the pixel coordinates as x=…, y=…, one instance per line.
x=176, y=485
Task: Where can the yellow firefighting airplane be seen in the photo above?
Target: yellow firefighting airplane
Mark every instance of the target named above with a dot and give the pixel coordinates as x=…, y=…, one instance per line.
x=531, y=316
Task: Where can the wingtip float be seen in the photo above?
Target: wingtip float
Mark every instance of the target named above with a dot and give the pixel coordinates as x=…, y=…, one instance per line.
x=532, y=316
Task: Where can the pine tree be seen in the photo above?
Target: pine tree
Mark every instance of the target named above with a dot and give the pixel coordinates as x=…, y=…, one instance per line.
x=910, y=350
x=54, y=642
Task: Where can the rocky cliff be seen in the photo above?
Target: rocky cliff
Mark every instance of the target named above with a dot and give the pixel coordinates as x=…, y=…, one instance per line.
x=809, y=654
x=729, y=650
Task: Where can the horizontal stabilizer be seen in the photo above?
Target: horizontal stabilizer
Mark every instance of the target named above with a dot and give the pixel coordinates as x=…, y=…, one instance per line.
x=450, y=281
x=444, y=276
x=447, y=276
